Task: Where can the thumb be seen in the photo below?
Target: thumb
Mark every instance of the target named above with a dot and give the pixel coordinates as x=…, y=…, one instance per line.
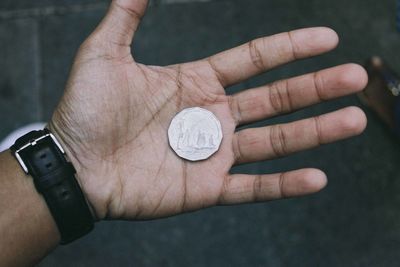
x=121, y=21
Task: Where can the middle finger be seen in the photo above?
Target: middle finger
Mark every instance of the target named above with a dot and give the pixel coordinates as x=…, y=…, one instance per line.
x=295, y=93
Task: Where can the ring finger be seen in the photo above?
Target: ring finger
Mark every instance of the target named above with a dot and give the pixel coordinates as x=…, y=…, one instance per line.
x=278, y=140
x=289, y=95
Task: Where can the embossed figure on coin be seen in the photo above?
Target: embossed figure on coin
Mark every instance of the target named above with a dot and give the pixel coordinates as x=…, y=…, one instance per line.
x=195, y=134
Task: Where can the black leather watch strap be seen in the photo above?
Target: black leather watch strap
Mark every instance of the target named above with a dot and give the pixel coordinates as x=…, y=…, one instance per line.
x=41, y=156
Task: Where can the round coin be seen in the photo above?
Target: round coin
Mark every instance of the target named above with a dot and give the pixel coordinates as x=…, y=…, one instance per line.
x=195, y=134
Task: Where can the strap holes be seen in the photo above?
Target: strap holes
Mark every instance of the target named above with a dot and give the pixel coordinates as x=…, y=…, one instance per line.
x=64, y=194
x=48, y=165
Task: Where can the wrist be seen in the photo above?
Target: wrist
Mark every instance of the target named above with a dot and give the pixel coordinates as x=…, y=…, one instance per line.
x=41, y=156
x=73, y=154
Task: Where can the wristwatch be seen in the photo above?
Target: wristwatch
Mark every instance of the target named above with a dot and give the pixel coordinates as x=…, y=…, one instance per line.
x=42, y=157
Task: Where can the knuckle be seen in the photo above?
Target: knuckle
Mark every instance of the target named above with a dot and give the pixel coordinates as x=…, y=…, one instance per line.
x=257, y=188
x=278, y=140
x=280, y=98
x=237, y=150
x=256, y=54
x=134, y=14
x=217, y=72
x=319, y=86
x=281, y=181
x=318, y=130
x=235, y=108
x=222, y=199
x=292, y=45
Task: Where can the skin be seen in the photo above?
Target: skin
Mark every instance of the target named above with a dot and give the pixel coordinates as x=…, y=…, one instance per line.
x=114, y=115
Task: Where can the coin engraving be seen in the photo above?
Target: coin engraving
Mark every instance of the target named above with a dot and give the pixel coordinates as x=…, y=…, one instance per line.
x=195, y=134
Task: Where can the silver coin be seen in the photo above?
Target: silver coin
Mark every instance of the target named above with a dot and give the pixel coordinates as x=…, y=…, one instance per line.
x=195, y=134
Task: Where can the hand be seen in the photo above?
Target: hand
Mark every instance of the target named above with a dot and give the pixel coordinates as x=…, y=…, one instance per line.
x=114, y=116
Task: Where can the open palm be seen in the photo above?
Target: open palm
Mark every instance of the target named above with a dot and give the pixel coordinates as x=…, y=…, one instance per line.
x=115, y=113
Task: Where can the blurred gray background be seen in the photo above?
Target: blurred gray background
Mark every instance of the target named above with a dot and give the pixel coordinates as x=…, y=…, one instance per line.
x=355, y=221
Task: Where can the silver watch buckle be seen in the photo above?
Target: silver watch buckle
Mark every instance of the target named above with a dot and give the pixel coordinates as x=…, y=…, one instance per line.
x=33, y=143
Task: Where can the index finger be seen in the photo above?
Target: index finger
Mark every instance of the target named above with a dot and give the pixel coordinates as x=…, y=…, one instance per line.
x=240, y=63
